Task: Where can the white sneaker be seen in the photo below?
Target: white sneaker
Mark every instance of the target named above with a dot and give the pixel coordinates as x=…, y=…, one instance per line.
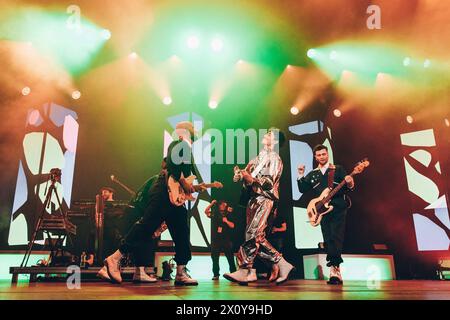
x=140, y=276
x=112, y=264
x=183, y=278
x=103, y=274
x=285, y=270
x=237, y=276
x=242, y=276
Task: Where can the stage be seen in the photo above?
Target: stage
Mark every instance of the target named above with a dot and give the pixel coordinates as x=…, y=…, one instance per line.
x=224, y=290
x=296, y=139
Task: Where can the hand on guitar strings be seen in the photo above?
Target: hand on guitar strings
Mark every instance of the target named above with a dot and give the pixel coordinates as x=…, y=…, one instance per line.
x=187, y=187
x=247, y=177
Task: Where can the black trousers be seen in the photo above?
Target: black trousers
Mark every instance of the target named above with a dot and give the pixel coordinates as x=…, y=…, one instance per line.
x=333, y=230
x=139, y=240
x=225, y=246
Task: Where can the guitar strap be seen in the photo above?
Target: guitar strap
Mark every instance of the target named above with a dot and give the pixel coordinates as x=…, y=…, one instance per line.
x=259, y=168
x=331, y=178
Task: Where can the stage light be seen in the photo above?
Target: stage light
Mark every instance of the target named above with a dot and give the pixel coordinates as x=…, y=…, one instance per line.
x=106, y=34
x=167, y=100
x=26, y=91
x=288, y=66
x=333, y=55
x=34, y=117
x=426, y=63
x=76, y=95
x=240, y=61
x=407, y=61
x=133, y=55
x=213, y=104
x=193, y=42
x=311, y=53
x=447, y=123
x=216, y=44
x=294, y=110
x=337, y=113
x=409, y=119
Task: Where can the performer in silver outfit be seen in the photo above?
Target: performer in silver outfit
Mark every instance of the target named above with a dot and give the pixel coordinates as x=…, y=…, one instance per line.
x=261, y=180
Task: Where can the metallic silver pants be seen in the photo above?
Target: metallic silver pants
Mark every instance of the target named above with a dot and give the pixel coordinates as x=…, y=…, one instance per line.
x=256, y=244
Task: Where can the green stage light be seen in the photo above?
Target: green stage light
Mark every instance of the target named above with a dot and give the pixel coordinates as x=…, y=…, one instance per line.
x=71, y=43
x=407, y=61
x=193, y=42
x=167, y=100
x=106, y=34
x=333, y=55
x=217, y=44
x=365, y=60
x=213, y=104
x=311, y=53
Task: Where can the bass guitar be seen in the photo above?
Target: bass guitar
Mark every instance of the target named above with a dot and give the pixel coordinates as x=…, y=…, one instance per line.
x=320, y=206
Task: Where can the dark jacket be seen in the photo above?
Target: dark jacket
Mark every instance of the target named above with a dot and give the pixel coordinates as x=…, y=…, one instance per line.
x=315, y=182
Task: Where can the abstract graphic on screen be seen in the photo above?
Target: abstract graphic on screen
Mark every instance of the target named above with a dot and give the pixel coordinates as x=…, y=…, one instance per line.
x=50, y=142
x=426, y=185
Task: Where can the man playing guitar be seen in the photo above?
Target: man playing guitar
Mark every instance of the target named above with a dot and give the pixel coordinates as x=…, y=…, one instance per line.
x=327, y=175
x=159, y=209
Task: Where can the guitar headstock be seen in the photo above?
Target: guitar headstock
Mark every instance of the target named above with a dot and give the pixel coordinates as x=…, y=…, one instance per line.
x=361, y=165
x=217, y=184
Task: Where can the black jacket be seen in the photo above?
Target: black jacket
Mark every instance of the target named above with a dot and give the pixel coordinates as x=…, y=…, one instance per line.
x=315, y=182
x=179, y=159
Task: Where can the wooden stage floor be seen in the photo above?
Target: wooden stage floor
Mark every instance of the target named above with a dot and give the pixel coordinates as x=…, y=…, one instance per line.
x=224, y=290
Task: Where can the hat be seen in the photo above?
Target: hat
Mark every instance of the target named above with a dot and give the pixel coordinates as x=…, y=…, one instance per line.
x=108, y=189
x=187, y=125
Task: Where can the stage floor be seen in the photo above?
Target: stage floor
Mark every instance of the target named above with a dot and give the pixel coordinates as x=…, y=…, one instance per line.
x=224, y=290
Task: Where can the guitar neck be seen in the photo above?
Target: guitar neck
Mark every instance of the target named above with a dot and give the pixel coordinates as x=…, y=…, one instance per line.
x=208, y=185
x=336, y=189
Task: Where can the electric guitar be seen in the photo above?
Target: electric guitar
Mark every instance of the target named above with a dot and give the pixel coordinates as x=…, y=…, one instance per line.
x=320, y=206
x=246, y=191
x=178, y=196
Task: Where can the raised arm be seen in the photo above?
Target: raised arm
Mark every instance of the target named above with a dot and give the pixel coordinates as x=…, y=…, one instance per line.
x=208, y=208
x=304, y=183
